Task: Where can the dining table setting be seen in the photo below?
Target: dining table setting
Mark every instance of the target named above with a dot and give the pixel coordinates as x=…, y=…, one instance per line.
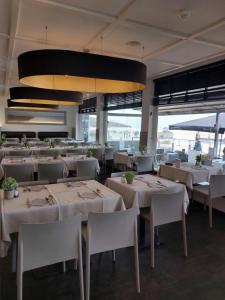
x=54, y=202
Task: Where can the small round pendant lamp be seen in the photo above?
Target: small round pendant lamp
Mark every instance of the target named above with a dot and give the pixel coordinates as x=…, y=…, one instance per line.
x=79, y=71
x=30, y=106
x=45, y=96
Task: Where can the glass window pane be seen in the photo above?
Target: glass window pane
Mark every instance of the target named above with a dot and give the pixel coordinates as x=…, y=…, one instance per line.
x=123, y=129
x=87, y=127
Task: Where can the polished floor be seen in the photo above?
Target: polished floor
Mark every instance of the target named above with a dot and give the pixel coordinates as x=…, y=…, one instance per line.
x=201, y=276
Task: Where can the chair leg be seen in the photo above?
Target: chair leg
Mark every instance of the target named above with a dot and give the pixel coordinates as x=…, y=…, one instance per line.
x=75, y=264
x=210, y=213
x=152, y=246
x=64, y=266
x=184, y=236
x=19, y=285
x=114, y=255
x=137, y=268
x=81, y=275
x=87, y=276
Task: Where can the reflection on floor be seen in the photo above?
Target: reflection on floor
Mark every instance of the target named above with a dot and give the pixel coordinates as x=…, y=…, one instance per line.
x=201, y=276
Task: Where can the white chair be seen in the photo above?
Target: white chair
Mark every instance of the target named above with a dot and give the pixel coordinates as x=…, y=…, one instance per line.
x=47, y=152
x=51, y=171
x=70, y=179
x=165, y=208
x=120, y=231
x=21, y=172
x=216, y=189
x=144, y=163
x=87, y=168
x=46, y=244
x=13, y=140
x=18, y=153
x=74, y=152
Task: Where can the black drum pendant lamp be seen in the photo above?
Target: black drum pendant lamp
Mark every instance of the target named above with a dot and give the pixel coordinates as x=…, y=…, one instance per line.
x=45, y=96
x=79, y=71
x=30, y=106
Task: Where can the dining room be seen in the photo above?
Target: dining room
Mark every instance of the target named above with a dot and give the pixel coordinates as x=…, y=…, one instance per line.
x=112, y=164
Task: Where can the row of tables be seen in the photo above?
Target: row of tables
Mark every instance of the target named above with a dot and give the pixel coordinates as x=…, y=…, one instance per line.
x=78, y=197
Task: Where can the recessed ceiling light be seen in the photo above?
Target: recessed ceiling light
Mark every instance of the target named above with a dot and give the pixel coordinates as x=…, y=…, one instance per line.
x=133, y=43
x=184, y=14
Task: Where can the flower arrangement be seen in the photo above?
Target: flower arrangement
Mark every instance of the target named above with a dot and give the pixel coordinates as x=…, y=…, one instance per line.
x=129, y=177
x=2, y=138
x=9, y=185
x=89, y=153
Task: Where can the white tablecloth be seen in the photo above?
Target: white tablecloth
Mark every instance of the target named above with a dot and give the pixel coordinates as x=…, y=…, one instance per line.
x=70, y=161
x=139, y=192
x=66, y=203
x=189, y=174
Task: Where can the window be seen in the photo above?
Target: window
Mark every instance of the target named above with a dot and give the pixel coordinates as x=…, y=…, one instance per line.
x=123, y=128
x=87, y=127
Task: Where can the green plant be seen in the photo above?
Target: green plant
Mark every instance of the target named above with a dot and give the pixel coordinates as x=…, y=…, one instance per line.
x=52, y=145
x=89, y=153
x=2, y=138
x=129, y=175
x=9, y=184
x=200, y=158
x=143, y=149
x=75, y=145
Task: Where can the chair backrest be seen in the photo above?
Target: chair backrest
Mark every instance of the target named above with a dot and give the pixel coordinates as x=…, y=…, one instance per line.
x=217, y=186
x=167, y=208
x=75, y=151
x=51, y=170
x=119, y=230
x=47, y=152
x=11, y=144
x=87, y=168
x=21, y=172
x=70, y=179
x=144, y=163
x=13, y=140
x=45, y=244
x=109, y=152
x=32, y=183
x=21, y=153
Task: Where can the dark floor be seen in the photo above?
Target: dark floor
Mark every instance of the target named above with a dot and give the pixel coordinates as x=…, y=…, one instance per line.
x=201, y=276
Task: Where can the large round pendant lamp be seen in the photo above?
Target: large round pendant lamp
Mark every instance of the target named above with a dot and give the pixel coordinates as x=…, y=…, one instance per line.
x=45, y=96
x=78, y=71
x=30, y=106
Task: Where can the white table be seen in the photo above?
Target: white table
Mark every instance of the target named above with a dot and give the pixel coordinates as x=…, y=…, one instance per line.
x=189, y=174
x=67, y=203
x=139, y=192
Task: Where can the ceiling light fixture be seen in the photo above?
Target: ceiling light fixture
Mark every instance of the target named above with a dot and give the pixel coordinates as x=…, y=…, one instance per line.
x=78, y=71
x=45, y=96
x=30, y=106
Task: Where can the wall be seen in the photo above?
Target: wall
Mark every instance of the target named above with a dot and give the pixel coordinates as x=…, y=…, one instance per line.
x=71, y=122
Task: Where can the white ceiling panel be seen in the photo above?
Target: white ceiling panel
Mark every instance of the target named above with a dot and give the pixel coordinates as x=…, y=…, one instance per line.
x=156, y=67
x=117, y=39
x=64, y=27
x=217, y=35
x=165, y=14
x=188, y=52
x=5, y=10
x=112, y=8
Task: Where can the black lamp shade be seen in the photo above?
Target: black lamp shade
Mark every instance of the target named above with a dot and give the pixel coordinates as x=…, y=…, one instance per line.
x=31, y=106
x=45, y=96
x=78, y=71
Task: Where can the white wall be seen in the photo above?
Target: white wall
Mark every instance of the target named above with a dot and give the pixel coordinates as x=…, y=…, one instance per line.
x=71, y=122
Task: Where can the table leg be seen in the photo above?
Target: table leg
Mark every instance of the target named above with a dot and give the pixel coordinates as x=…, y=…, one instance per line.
x=141, y=232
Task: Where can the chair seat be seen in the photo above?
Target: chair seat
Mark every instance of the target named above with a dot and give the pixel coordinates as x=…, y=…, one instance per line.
x=201, y=189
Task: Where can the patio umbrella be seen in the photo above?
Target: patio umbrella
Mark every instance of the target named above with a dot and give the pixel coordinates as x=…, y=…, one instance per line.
x=214, y=124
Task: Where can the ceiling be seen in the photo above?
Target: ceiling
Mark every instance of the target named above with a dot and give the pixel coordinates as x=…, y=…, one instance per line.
x=173, y=34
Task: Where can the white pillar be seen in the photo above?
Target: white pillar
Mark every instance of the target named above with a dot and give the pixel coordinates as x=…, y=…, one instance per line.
x=217, y=127
x=149, y=122
x=101, y=120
